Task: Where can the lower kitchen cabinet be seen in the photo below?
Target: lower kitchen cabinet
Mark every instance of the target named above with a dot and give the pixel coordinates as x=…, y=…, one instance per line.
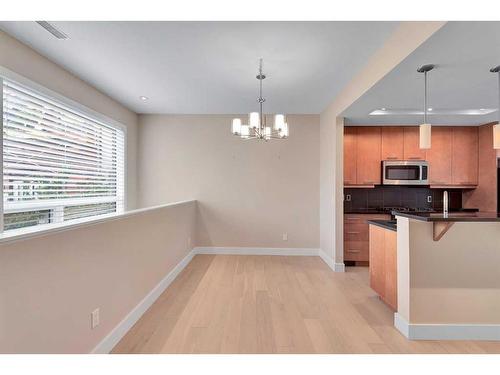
x=356, y=236
x=383, y=264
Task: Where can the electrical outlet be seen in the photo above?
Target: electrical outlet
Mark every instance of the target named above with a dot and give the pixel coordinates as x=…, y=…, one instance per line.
x=348, y=197
x=285, y=236
x=429, y=199
x=94, y=318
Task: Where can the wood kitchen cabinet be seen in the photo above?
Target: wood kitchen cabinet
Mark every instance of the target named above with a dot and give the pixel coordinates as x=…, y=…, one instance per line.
x=368, y=147
x=411, y=144
x=383, y=264
x=356, y=235
x=439, y=156
x=350, y=138
x=465, y=163
x=453, y=157
x=392, y=143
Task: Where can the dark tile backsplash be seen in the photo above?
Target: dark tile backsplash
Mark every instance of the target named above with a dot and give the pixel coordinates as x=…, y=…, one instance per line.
x=400, y=196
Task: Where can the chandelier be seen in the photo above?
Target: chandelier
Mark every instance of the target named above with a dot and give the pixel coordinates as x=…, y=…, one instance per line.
x=257, y=123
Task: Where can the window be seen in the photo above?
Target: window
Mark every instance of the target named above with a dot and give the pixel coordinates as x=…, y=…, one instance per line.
x=58, y=164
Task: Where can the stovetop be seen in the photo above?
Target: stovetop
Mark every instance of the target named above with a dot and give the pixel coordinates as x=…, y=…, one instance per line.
x=405, y=209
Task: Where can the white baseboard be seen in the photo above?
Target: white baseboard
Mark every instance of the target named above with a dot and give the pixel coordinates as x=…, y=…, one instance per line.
x=109, y=342
x=336, y=267
x=257, y=251
x=488, y=332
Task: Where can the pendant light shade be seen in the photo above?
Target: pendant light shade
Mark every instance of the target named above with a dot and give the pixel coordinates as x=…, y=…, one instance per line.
x=496, y=128
x=425, y=136
x=496, y=136
x=425, y=128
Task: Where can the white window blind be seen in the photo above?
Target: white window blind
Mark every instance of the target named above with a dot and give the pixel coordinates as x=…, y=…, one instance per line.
x=58, y=164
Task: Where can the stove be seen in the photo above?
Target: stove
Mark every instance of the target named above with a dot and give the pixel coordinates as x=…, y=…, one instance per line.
x=407, y=209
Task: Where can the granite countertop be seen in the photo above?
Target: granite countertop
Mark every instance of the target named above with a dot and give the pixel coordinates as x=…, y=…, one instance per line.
x=463, y=216
x=386, y=224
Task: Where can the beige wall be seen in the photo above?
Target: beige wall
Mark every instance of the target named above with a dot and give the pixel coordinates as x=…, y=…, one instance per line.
x=249, y=193
x=404, y=40
x=51, y=284
x=455, y=280
x=23, y=60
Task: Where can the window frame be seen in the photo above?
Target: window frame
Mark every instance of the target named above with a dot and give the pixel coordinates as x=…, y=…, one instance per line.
x=79, y=109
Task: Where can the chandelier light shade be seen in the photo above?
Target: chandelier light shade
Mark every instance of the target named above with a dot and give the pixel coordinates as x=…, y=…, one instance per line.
x=257, y=127
x=245, y=131
x=425, y=128
x=254, y=120
x=496, y=128
x=236, y=126
x=279, y=122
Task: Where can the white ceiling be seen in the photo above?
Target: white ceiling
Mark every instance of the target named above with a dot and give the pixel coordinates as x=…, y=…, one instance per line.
x=210, y=67
x=464, y=52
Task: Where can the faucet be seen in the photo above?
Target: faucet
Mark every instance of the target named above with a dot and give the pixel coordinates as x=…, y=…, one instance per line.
x=445, y=203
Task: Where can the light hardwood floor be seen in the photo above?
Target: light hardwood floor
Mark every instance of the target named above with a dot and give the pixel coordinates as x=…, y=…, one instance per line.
x=274, y=304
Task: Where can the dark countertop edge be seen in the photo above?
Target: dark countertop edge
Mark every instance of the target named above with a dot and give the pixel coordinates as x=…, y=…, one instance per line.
x=375, y=212
x=383, y=224
x=463, y=219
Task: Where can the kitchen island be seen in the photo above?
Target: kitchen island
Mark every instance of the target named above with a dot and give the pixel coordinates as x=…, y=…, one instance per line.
x=448, y=275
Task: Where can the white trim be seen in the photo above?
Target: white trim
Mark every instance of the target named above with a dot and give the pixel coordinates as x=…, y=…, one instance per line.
x=108, y=343
x=336, y=267
x=486, y=332
x=257, y=251
x=60, y=99
x=46, y=229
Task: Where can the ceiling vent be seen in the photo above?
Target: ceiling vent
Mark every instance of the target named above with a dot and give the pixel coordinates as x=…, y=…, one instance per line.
x=52, y=29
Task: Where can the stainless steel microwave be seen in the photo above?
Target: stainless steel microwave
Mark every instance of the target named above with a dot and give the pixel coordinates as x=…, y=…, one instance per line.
x=405, y=172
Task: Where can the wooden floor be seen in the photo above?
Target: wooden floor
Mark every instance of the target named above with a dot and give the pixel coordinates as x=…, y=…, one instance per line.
x=274, y=304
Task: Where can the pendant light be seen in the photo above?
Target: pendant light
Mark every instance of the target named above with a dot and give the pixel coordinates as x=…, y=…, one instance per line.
x=496, y=128
x=425, y=128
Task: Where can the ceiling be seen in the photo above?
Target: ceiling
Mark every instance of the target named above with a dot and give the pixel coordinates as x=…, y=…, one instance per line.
x=464, y=52
x=210, y=67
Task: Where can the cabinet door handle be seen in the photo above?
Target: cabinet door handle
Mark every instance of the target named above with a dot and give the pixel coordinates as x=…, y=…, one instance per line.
x=352, y=218
x=353, y=251
x=369, y=182
x=392, y=157
x=352, y=232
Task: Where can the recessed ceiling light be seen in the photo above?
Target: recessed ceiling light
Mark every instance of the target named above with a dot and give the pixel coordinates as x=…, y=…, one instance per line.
x=429, y=109
x=383, y=109
x=143, y=98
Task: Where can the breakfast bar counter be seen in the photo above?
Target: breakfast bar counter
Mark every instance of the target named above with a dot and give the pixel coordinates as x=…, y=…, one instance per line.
x=461, y=216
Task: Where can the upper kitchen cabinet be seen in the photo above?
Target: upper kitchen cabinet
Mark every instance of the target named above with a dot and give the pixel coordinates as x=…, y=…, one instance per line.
x=350, y=155
x=392, y=143
x=368, y=155
x=411, y=144
x=439, y=156
x=465, y=155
